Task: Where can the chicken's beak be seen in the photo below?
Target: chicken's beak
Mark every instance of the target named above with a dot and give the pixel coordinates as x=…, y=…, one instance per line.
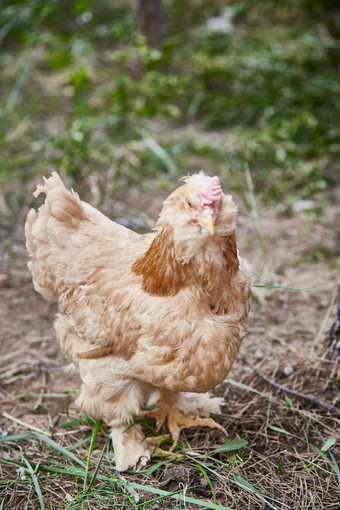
x=209, y=224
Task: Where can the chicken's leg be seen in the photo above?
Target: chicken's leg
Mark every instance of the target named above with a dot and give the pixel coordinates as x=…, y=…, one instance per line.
x=116, y=401
x=185, y=410
x=130, y=447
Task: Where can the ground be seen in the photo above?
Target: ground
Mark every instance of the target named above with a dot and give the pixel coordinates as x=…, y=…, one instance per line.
x=287, y=457
x=81, y=92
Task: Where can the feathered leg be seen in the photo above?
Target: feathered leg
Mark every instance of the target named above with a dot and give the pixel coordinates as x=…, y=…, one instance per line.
x=131, y=448
x=129, y=444
x=108, y=395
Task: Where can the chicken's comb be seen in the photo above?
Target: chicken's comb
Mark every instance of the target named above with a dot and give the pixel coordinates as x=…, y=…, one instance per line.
x=210, y=191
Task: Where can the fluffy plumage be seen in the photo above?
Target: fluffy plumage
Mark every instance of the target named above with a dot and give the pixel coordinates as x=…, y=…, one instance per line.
x=142, y=313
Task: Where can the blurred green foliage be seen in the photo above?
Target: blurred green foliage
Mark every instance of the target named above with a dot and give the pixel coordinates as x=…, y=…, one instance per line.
x=80, y=91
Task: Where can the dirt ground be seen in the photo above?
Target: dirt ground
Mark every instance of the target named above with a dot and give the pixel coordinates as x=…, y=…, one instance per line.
x=286, y=333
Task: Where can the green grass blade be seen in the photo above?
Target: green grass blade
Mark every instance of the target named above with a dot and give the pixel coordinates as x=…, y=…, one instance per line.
x=35, y=482
x=154, y=467
x=60, y=449
x=95, y=431
x=89, y=420
x=242, y=481
x=247, y=484
x=325, y=448
x=74, y=472
x=77, y=445
x=255, y=213
x=6, y=28
x=246, y=387
x=335, y=466
x=68, y=471
x=15, y=437
x=292, y=288
x=205, y=474
x=231, y=446
x=330, y=442
x=283, y=431
x=179, y=497
x=71, y=423
x=93, y=478
x=162, y=155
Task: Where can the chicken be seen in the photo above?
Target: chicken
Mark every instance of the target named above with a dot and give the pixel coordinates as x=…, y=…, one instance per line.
x=143, y=315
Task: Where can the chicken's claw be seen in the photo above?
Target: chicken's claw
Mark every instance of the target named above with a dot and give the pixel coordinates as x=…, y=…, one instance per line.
x=178, y=421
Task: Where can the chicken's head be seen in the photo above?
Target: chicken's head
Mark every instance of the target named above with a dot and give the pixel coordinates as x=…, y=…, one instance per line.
x=198, y=211
x=201, y=195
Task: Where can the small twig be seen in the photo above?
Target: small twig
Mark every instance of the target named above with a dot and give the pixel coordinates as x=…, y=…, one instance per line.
x=23, y=423
x=313, y=400
x=43, y=385
x=268, y=418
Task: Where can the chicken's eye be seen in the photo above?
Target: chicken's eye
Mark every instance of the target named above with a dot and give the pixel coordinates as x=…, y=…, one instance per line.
x=189, y=204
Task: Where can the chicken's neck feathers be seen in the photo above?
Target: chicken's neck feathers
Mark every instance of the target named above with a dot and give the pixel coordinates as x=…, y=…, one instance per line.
x=166, y=269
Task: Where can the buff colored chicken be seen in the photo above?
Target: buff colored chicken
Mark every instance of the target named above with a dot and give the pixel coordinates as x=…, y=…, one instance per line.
x=143, y=315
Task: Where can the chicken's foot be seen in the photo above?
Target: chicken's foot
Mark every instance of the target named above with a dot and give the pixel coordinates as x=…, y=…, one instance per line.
x=177, y=420
x=130, y=447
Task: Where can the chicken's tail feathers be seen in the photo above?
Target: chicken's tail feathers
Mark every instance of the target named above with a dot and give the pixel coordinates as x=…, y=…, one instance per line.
x=49, y=183
x=63, y=205
x=30, y=241
x=48, y=232
x=43, y=278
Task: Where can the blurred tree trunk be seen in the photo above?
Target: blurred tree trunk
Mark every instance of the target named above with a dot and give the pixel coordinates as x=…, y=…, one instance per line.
x=151, y=19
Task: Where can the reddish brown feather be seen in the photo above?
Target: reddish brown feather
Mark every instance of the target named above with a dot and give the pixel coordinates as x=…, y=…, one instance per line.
x=162, y=274
x=100, y=352
x=230, y=255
